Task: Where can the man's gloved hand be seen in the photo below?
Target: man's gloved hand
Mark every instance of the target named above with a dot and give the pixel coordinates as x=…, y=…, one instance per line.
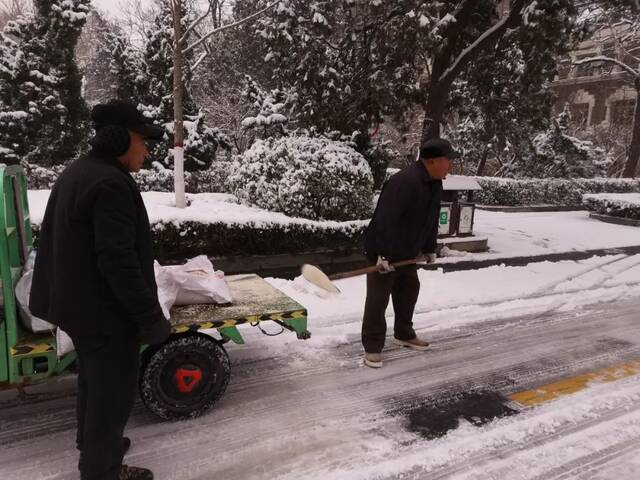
x=427, y=258
x=384, y=266
x=155, y=333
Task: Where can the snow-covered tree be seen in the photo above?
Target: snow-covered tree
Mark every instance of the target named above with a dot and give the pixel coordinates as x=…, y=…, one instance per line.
x=504, y=97
x=42, y=114
x=125, y=64
x=557, y=154
x=463, y=31
x=94, y=59
x=336, y=57
x=270, y=110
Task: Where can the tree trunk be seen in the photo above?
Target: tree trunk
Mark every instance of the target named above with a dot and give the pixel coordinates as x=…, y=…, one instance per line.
x=178, y=129
x=483, y=161
x=434, y=111
x=631, y=166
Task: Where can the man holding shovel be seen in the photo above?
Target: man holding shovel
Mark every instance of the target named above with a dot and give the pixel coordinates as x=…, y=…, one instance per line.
x=404, y=227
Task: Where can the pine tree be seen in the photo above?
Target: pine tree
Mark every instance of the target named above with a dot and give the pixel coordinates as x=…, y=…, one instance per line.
x=43, y=118
x=94, y=59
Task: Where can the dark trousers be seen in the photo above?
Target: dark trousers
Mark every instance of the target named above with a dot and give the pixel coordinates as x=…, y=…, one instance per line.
x=403, y=286
x=107, y=378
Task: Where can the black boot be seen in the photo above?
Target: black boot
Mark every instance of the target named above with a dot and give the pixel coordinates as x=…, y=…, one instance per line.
x=135, y=473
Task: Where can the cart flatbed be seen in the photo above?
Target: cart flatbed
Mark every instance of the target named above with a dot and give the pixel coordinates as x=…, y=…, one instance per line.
x=254, y=300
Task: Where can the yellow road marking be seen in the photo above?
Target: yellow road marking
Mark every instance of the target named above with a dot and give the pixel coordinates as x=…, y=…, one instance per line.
x=568, y=386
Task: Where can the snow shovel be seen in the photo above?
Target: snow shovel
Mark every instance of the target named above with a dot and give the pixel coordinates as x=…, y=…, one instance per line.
x=320, y=279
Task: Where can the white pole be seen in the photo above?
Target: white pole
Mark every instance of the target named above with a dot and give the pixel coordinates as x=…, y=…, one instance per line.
x=178, y=129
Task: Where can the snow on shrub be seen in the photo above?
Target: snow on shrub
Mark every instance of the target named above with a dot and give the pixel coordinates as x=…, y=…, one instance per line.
x=307, y=177
x=626, y=205
x=547, y=191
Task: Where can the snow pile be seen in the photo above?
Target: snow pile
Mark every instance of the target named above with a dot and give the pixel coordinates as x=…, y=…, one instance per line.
x=625, y=205
x=314, y=178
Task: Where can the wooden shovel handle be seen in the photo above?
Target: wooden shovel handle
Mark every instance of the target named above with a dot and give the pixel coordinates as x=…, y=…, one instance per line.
x=372, y=268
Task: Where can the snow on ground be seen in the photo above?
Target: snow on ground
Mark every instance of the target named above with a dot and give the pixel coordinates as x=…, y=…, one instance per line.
x=567, y=430
x=539, y=233
x=344, y=431
x=455, y=299
x=288, y=416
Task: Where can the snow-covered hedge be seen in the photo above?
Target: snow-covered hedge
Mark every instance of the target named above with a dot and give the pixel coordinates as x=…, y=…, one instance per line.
x=626, y=205
x=314, y=178
x=174, y=242
x=524, y=192
x=219, y=225
x=210, y=180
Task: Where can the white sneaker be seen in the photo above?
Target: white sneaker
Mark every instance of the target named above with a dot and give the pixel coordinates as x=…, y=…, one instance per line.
x=373, y=360
x=414, y=343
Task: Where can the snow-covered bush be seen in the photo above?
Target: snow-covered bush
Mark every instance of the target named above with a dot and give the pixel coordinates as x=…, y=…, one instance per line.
x=201, y=143
x=547, y=191
x=306, y=177
x=41, y=178
x=626, y=205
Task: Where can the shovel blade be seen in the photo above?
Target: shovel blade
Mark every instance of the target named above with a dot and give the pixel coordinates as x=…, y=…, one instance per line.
x=317, y=277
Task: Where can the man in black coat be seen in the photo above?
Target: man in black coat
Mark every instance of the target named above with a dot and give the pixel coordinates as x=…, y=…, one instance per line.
x=94, y=278
x=404, y=226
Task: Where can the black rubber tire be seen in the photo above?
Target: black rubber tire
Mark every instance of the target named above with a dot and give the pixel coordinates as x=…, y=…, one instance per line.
x=163, y=390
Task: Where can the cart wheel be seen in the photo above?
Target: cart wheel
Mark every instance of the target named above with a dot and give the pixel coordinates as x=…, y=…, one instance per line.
x=184, y=377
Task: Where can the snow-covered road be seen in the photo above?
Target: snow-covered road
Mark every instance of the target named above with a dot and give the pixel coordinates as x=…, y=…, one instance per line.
x=319, y=414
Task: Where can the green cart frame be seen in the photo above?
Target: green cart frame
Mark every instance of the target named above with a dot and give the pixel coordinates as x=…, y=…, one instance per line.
x=181, y=378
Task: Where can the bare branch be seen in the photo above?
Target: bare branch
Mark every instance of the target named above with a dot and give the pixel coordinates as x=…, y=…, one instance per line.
x=486, y=38
x=198, y=61
x=614, y=61
x=196, y=22
x=619, y=42
x=230, y=25
x=204, y=45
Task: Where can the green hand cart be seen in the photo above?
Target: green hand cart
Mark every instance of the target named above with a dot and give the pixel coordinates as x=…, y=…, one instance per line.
x=183, y=377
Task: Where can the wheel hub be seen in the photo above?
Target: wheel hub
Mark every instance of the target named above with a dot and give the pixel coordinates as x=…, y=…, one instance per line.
x=187, y=378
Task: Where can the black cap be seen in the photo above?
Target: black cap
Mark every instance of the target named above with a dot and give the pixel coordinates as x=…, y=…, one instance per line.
x=438, y=147
x=125, y=114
